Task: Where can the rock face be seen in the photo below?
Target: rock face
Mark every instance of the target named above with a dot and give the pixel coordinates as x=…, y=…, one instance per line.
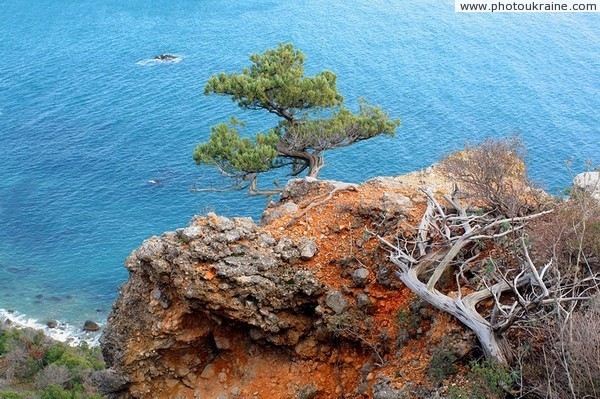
x=227, y=308
x=184, y=285
x=589, y=182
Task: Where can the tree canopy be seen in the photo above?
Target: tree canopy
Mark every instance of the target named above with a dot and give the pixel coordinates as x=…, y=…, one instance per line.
x=311, y=112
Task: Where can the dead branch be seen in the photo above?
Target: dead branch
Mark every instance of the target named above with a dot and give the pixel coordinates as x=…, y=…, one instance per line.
x=249, y=182
x=518, y=288
x=338, y=187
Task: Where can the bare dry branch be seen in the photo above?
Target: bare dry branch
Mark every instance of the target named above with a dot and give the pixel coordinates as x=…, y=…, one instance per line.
x=314, y=203
x=517, y=287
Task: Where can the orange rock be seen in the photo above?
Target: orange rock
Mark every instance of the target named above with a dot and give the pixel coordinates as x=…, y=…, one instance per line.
x=209, y=275
x=244, y=337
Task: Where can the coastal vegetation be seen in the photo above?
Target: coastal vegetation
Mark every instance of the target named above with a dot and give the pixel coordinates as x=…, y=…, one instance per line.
x=33, y=366
x=311, y=116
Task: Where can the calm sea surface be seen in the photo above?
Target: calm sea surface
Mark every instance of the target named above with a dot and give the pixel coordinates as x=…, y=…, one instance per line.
x=86, y=121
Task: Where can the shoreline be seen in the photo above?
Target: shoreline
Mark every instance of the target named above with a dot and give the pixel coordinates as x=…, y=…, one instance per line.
x=63, y=332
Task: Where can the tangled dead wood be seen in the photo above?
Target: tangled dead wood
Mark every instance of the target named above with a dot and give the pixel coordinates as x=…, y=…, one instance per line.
x=490, y=292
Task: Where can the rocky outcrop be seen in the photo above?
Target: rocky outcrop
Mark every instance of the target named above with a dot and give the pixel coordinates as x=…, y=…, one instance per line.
x=165, y=58
x=302, y=306
x=588, y=182
x=184, y=285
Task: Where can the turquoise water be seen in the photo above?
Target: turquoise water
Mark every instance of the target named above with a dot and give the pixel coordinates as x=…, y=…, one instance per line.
x=85, y=122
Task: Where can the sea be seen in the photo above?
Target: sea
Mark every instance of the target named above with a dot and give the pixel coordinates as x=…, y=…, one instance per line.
x=96, y=136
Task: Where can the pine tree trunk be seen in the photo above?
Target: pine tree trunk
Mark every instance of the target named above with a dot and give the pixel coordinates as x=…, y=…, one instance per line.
x=315, y=163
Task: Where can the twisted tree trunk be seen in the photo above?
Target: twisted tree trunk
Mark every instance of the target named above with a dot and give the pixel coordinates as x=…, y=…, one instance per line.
x=314, y=161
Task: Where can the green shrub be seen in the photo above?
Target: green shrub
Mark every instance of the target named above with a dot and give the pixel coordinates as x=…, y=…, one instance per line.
x=82, y=357
x=73, y=361
x=409, y=317
x=487, y=380
x=54, y=353
x=20, y=365
x=12, y=395
x=407, y=320
x=33, y=338
x=56, y=392
x=3, y=339
x=6, y=338
x=37, y=367
x=441, y=365
x=94, y=356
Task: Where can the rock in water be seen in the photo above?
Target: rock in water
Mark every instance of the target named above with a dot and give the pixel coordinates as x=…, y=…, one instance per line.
x=165, y=57
x=52, y=323
x=90, y=326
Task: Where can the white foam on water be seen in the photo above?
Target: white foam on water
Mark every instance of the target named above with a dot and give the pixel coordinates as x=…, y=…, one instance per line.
x=63, y=332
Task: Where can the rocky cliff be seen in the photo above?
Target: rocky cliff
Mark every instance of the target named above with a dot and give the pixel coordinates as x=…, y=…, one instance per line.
x=303, y=305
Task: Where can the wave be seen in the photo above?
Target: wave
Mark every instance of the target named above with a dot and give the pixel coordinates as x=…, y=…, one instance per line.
x=63, y=332
x=158, y=61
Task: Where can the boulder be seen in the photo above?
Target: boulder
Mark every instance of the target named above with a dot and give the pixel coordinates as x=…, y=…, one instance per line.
x=209, y=372
x=336, y=301
x=383, y=390
x=90, y=326
x=287, y=249
x=308, y=392
x=109, y=381
x=222, y=343
x=588, y=182
x=307, y=248
x=363, y=302
x=189, y=233
x=359, y=277
x=396, y=203
x=278, y=211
